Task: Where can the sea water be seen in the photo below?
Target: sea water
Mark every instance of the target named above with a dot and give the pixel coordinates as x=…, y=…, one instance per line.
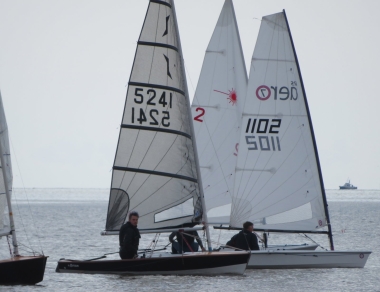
x=66, y=223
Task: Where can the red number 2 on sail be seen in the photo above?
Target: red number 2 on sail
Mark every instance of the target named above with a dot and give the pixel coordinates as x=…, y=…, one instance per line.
x=237, y=149
x=198, y=117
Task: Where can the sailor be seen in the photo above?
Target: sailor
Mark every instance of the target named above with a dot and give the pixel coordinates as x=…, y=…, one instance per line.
x=129, y=237
x=185, y=241
x=245, y=239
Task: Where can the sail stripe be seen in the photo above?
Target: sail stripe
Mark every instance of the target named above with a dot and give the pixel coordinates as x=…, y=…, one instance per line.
x=139, y=170
x=157, y=86
x=156, y=130
x=157, y=45
x=161, y=2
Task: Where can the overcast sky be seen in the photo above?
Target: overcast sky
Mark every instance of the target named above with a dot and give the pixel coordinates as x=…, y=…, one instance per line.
x=65, y=64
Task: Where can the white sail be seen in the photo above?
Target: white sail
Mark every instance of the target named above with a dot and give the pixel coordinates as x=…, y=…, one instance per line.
x=216, y=111
x=278, y=184
x=5, y=172
x=155, y=170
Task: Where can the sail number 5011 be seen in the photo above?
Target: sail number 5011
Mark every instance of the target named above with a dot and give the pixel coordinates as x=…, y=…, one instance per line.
x=269, y=142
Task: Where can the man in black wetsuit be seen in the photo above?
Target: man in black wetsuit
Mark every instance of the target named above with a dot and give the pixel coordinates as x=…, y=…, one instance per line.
x=245, y=239
x=129, y=237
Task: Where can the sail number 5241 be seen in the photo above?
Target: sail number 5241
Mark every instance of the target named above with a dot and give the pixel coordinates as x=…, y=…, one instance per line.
x=154, y=116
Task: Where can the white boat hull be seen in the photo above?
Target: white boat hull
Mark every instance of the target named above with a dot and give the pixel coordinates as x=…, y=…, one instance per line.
x=306, y=259
x=292, y=247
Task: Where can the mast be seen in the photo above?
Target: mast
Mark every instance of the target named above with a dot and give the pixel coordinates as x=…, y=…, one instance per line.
x=3, y=164
x=199, y=177
x=313, y=139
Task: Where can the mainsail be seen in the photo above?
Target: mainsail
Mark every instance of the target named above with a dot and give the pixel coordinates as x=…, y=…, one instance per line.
x=217, y=109
x=155, y=168
x=278, y=183
x=5, y=172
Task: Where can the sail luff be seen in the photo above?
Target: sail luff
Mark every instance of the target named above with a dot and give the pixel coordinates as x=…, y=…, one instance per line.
x=6, y=169
x=205, y=219
x=313, y=138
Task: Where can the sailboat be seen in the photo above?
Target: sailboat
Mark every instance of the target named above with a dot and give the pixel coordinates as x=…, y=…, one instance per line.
x=217, y=110
x=18, y=269
x=278, y=183
x=156, y=170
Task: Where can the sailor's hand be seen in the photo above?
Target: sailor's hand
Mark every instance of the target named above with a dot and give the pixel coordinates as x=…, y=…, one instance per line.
x=203, y=249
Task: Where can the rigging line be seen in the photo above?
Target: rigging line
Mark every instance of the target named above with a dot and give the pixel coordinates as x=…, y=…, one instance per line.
x=9, y=245
x=17, y=206
x=31, y=250
x=315, y=242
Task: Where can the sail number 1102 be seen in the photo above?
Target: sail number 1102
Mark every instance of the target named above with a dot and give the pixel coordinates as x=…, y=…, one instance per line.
x=268, y=142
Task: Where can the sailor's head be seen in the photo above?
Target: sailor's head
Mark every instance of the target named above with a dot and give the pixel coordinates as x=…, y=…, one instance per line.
x=133, y=218
x=248, y=226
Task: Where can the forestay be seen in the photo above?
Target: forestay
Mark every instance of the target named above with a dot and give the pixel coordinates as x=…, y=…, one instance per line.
x=216, y=111
x=155, y=170
x=278, y=184
x=5, y=171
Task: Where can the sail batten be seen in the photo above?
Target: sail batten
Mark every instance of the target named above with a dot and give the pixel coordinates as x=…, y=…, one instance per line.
x=139, y=170
x=156, y=130
x=157, y=45
x=150, y=85
x=155, y=167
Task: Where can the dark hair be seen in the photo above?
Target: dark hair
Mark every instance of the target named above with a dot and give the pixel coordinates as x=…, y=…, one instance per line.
x=247, y=224
x=133, y=213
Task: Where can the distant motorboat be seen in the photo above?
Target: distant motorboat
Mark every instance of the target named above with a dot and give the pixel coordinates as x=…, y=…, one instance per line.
x=348, y=186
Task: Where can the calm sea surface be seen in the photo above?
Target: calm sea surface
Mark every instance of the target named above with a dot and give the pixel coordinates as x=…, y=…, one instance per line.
x=66, y=223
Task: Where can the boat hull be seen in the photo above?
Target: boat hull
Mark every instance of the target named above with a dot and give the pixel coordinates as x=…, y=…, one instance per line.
x=22, y=270
x=215, y=263
x=293, y=259
x=292, y=247
x=348, y=188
